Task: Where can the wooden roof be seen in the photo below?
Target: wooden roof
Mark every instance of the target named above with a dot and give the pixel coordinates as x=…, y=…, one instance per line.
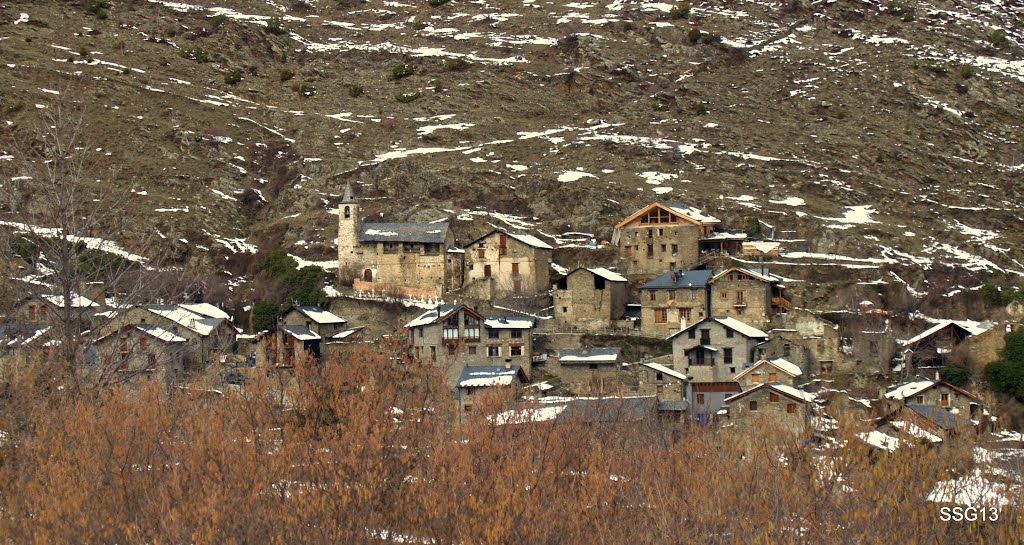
x=652, y=206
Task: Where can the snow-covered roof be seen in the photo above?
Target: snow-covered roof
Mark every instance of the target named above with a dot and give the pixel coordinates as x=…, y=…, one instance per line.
x=781, y=364
x=508, y=322
x=77, y=301
x=531, y=240
x=609, y=275
x=968, y=326
x=784, y=389
x=160, y=333
x=740, y=327
x=590, y=355
x=433, y=315
x=879, y=440
x=320, y=315
x=727, y=235
x=664, y=370
x=341, y=335
x=478, y=376
x=691, y=212
x=301, y=333
x=909, y=389
x=195, y=322
x=916, y=431
x=424, y=232
x=206, y=309
x=760, y=274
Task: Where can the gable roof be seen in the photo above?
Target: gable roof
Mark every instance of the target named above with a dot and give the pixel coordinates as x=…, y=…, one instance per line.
x=529, y=240
x=190, y=320
x=479, y=376
x=206, y=309
x=937, y=415
x=160, y=333
x=684, y=211
x=731, y=323
x=320, y=315
x=679, y=279
x=969, y=327
x=594, y=355
x=439, y=313
x=762, y=274
x=788, y=391
x=913, y=388
x=77, y=301
x=607, y=274
x=410, y=231
x=781, y=364
x=300, y=332
x=664, y=370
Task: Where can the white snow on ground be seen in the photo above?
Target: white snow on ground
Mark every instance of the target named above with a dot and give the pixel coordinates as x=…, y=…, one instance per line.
x=429, y=129
x=854, y=215
x=237, y=245
x=326, y=264
x=573, y=175
x=790, y=201
x=23, y=18
x=972, y=490
x=92, y=243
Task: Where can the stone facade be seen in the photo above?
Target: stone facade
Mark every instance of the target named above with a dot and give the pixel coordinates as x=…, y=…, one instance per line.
x=488, y=385
x=515, y=264
x=769, y=370
x=593, y=371
x=753, y=297
x=661, y=237
x=589, y=299
x=936, y=394
x=141, y=351
x=454, y=336
x=318, y=320
x=663, y=382
x=768, y=407
x=411, y=254
x=206, y=339
x=673, y=301
x=715, y=349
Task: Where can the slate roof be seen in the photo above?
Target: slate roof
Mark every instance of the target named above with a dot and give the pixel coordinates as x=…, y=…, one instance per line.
x=508, y=322
x=320, y=315
x=679, y=279
x=781, y=364
x=434, y=315
x=410, y=231
x=731, y=323
x=300, y=332
x=937, y=415
x=664, y=370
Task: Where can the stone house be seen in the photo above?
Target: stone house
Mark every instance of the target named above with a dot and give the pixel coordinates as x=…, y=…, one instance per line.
x=319, y=320
x=770, y=406
x=935, y=393
x=922, y=424
x=665, y=383
x=488, y=384
x=286, y=346
x=707, y=399
x=769, y=370
x=933, y=346
x=589, y=299
x=715, y=349
x=396, y=255
x=455, y=336
x=143, y=350
x=510, y=264
x=207, y=339
x=748, y=295
x=660, y=237
x=45, y=309
x=673, y=301
x=595, y=370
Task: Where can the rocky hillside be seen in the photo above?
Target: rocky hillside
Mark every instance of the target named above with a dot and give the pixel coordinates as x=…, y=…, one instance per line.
x=867, y=133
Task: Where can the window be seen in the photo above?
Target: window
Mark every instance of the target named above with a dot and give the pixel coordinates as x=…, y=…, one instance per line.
x=755, y=378
x=487, y=271
x=660, y=315
x=651, y=295
x=944, y=399
x=348, y=212
x=791, y=408
x=663, y=248
x=773, y=397
x=515, y=350
x=785, y=350
x=467, y=407
x=471, y=350
x=469, y=391
x=493, y=333
x=152, y=360
x=515, y=268
x=675, y=249
x=650, y=250
x=753, y=405
x=517, y=333
x=729, y=334
x=732, y=370
x=433, y=353
x=705, y=336
x=143, y=342
x=481, y=252
x=420, y=332
x=772, y=377
x=661, y=232
x=700, y=399
x=659, y=377
x=32, y=313
x=685, y=314
x=739, y=298
x=920, y=400
x=471, y=328
x=494, y=351
x=503, y=245
x=650, y=233
x=565, y=309
x=451, y=349
x=692, y=334
x=727, y=355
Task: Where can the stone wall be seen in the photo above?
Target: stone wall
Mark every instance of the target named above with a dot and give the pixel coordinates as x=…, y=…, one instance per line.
x=676, y=304
x=768, y=414
x=746, y=300
x=718, y=370
x=583, y=305
x=648, y=249
x=515, y=267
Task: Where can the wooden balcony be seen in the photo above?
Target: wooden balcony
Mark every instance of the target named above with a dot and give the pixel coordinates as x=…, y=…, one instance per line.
x=782, y=302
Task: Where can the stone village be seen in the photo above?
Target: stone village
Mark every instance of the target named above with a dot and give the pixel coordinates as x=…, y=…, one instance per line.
x=685, y=323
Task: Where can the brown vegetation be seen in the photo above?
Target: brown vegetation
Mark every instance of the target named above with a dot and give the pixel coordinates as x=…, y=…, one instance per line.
x=365, y=450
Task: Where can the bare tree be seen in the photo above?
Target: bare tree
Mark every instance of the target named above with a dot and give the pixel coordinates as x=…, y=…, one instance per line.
x=59, y=200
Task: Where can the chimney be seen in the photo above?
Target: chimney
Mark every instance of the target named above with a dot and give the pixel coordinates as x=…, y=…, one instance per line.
x=938, y=377
x=508, y=363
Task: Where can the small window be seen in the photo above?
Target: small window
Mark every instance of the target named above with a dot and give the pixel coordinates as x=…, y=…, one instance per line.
x=493, y=333
x=143, y=342
x=515, y=350
x=785, y=350
x=772, y=377
x=661, y=232
x=729, y=333
x=727, y=355
x=755, y=378
x=659, y=377
x=753, y=405
x=791, y=408
x=693, y=334
x=675, y=249
x=593, y=366
x=348, y=212
x=471, y=350
x=663, y=248
x=565, y=309
x=660, y=315
x=700, y=399
x=494, y=351
x=651, y=295
x=515, y=268
x=773, y=397
x=920, y=400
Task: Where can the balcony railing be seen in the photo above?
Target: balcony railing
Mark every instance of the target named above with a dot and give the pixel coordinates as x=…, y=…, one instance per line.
x=782, y=302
